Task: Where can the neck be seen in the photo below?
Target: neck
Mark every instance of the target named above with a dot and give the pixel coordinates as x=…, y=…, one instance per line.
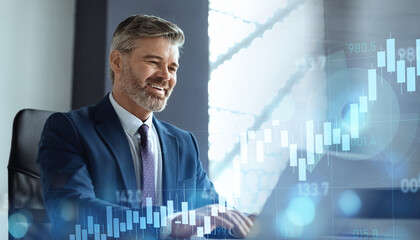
x=129, y=105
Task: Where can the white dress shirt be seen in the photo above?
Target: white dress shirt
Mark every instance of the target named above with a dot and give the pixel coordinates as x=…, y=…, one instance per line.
x=131, y=124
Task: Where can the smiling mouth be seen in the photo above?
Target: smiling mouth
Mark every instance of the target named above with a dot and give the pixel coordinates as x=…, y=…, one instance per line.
x=157, y=87
x=157, y=91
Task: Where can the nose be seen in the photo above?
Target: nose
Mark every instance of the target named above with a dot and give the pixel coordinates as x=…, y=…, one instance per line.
x=164, y=73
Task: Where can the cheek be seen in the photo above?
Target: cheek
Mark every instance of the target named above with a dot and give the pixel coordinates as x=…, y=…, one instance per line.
x=142, y=72
x=172, y=82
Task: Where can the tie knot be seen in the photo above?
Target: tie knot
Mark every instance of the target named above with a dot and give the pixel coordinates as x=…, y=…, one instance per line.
x=143, y=130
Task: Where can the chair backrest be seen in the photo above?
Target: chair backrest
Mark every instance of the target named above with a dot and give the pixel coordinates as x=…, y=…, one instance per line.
x=23, y=173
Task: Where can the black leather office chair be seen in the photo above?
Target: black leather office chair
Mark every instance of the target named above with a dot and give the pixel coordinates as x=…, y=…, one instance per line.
x=24, y=182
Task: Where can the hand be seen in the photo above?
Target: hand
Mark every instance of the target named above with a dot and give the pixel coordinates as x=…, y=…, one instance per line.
x=239, y=224
x=242, y=224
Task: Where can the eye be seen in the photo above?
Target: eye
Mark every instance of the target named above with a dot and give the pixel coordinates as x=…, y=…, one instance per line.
x=154, y=62
x=172, y=69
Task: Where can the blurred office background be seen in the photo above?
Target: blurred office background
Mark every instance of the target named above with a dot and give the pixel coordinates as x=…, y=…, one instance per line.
x=246, y=67
x=37, y=45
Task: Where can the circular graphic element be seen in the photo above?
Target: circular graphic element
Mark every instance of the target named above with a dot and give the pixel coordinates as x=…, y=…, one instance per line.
x=349, y=203
x=301, y=211
x=18, y=225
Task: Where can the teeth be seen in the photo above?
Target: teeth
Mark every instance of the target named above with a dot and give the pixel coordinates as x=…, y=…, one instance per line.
x=156, y=87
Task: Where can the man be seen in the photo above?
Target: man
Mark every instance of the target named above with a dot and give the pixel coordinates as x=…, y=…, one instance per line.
x=92, y=156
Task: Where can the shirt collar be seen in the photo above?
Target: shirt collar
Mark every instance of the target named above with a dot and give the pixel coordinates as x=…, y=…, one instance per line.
x=129, y=122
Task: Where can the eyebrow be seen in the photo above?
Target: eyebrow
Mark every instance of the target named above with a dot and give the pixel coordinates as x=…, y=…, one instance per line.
x=158, y=57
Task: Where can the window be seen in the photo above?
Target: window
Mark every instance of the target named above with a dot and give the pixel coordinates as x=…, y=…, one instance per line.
x=264, y=66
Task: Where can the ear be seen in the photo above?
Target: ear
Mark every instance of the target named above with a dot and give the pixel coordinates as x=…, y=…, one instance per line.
x=116, y=62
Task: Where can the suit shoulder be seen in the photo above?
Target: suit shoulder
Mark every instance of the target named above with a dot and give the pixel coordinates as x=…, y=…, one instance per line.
x=174, y=129
x=70, y=121
x=73, y=115
x=84, y=112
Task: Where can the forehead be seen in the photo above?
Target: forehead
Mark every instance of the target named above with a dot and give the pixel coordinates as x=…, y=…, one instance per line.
x=156, y=46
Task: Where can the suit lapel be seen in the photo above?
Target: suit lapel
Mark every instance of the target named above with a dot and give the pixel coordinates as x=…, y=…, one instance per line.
x=169, y=147
x=110, y=129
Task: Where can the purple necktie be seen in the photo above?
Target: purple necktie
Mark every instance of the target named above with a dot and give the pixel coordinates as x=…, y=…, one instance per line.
x=148, y=166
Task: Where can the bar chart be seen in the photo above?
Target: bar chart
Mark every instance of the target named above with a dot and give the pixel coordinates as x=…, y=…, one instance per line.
x=134, y=222
x=321, y=137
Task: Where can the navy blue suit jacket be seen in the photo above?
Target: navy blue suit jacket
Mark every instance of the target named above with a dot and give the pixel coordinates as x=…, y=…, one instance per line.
x=86, y=164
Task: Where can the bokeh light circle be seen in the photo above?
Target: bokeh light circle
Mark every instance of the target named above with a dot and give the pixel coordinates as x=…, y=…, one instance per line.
x=68, y=211
x=349, y=203
x=301, y=211
x=18, y=225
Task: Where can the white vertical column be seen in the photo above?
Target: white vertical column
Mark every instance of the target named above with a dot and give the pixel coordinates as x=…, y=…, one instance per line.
x=401, y=71
x=90, y=224
x=78, y=231
x=381, y=59
x=123, y=227
x=97, y=231
x=109, y=221
x=200, y=232
x=302, y=169
x=390, y=55
x=116, y=228
x=129, y=219
x=184, y=208
x=156, y=220
x=284, y=136
x=345, y=146
x=170, y=207
x=418, y=56
x=163, y=217
x=142, y=223
x=136, y=217
x=310, y=145
x=192, y=217
x=363, y=104
x=327, y=133
x=214, y=211
x=411, y=79
x=149, y=210
x=222, y=204
x=293, y=155
x=372, y=84
x=207, y=225
x=336, y=136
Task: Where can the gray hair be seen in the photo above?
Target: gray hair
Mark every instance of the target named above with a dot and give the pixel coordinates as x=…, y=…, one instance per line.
x=143, y=26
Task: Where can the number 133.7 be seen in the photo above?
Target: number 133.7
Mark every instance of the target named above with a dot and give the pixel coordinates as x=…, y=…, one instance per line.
x=313, y=189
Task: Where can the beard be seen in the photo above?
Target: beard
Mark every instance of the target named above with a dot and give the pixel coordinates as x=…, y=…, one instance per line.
x=137, y=92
